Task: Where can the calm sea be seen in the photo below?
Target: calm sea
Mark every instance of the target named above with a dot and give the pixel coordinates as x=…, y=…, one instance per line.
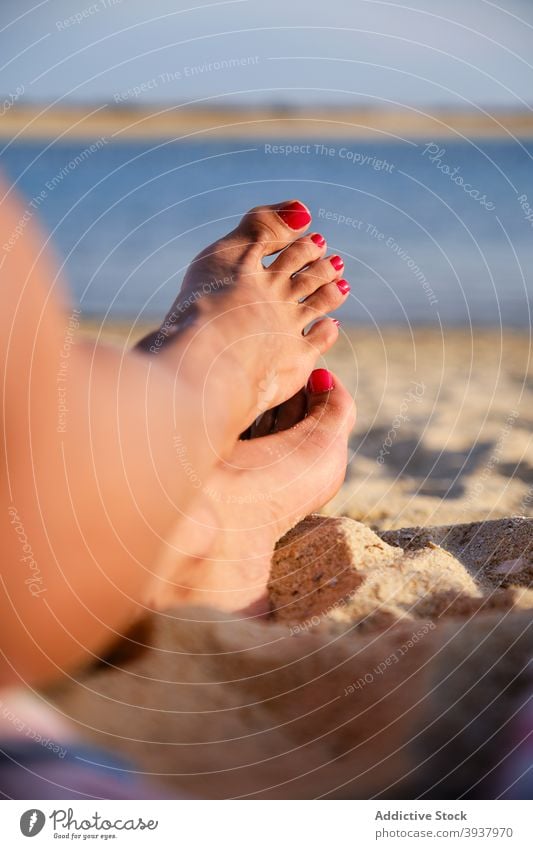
x=429, y=232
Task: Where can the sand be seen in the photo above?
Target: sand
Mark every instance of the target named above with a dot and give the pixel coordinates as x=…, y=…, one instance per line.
x=445, y=426
x=381, y=671
x=177, y=120
x=444, y=432
x=394, y=661
x=340, y=571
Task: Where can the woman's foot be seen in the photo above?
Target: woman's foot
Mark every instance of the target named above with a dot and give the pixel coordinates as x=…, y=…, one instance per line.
x=269, y=485
x=256, y=316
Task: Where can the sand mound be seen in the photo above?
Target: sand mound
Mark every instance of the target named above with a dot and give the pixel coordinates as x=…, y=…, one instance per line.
x=341, y=570
x=346, y=690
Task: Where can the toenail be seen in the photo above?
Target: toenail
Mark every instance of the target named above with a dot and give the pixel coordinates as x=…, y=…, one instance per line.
x=320, y=380
x=336, y=321
x=336, y=262
x=318, y=240
x=343, y=286
x=295, y=215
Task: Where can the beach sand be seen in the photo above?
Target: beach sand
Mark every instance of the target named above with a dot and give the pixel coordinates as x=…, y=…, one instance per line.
x=444, y=428
x=392, y=665
x=179, y=121
x=392, y=661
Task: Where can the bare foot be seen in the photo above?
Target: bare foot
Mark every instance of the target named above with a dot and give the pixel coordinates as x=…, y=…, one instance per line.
x=269, y=485
x=256, y=315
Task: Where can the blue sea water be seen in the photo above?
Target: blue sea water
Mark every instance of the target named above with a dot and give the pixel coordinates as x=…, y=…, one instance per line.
x=419, y=246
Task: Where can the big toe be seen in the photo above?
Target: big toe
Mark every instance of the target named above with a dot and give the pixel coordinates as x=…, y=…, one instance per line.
x=314, y=449
x=269, y=229
x=331, y=410
x=320, y=441
x=317, y=447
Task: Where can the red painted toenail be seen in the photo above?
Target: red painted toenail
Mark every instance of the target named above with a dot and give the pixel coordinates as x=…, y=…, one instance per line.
x=321, y=380
x=343, y=286
x=336, y=262
x=318, y=240
x=295, y=215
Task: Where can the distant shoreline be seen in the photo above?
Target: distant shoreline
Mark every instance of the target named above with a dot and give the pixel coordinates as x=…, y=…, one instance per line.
x=126, y=123
x=117, y=330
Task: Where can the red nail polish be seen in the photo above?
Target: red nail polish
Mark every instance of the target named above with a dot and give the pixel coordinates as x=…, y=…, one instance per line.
x=318, y=240
x=343, y=286
x=321, y=380
x=336, y=321
x=295, y=215
x=336, y=262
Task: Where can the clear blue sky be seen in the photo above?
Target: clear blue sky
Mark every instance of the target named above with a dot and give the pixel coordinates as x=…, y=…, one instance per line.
x=375, y=51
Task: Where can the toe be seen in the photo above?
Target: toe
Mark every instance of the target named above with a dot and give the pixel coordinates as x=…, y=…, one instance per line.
x=331, y=409
x=323, y=334
x=329, y=297
x=269, y=229
x=298, y=255
x=306, y=464
x=320, y=272
x=320, y=441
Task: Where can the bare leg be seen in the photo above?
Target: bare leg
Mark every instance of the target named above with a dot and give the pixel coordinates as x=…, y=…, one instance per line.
x=89, y=500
